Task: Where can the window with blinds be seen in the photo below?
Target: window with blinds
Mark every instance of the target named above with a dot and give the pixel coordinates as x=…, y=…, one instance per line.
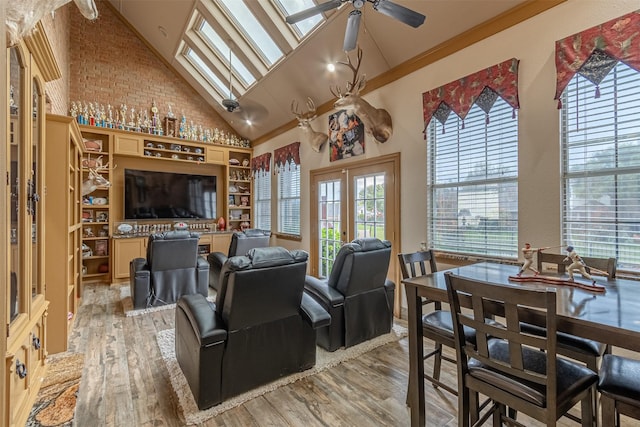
x=289, y=199
x=601, y=166
x=262, y=200
x=472, y=182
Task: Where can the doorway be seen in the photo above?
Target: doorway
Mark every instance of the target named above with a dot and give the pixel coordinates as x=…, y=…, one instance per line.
x=356, y=200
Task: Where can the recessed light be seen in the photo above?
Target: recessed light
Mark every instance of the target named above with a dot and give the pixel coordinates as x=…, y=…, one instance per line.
x=331, y=67
x=162, y=30
x=248, y=122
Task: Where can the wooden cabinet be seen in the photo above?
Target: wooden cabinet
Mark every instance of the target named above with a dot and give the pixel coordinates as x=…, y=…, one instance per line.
x=62, y=221
x=24, y=237
x=96, y=198
x=239, y=190
x=124, y=250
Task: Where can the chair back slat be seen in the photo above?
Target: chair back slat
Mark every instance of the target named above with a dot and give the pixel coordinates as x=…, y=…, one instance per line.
x=486, y=300
x=411, y=263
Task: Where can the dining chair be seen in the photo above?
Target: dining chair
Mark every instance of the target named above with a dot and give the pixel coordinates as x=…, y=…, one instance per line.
x=516, y=370
x=619, y=388
x=577, y=348
x=436, y=325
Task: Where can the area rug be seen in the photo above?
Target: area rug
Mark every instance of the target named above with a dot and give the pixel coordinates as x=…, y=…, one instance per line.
x=129, y=311
x=56, y=401
x=324, y=360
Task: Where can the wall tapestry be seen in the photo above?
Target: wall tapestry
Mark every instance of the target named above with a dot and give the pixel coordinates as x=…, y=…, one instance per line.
x=346, y=135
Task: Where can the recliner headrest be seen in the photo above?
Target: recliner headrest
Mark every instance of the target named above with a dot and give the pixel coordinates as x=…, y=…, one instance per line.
x=253, y=232
x=372, y=243
x=266, y=257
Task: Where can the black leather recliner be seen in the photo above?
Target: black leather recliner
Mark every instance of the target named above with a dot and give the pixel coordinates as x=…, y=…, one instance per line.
x=357, y=294
x=241, y=242
x=261, y=327
x=172, y=268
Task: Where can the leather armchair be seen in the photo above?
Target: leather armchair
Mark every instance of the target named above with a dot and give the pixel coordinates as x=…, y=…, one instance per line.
x=261, y=327
x=172, y=268
x=357, y=294
x=241, y=242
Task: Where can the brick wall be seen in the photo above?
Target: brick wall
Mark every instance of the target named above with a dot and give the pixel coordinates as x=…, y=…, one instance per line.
x=109, y=64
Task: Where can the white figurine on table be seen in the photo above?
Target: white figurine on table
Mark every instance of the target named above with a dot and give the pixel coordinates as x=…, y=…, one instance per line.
x=527, y=253
x=576, y=264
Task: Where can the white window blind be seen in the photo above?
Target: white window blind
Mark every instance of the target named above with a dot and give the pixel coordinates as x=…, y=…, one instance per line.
x=473, y=183
x=262, y=200
x=601, y=166
x=289, y=199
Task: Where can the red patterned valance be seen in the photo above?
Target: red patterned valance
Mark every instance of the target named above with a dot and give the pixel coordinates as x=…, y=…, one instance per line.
x=287, y=154
x=594, y=52
x=481, y=88
x=261, y=163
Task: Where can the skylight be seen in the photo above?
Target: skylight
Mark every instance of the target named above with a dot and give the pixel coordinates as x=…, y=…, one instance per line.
x=252, y=28
x=289, y=7
x=223, y=49
x=206, y=72
x=253, y=32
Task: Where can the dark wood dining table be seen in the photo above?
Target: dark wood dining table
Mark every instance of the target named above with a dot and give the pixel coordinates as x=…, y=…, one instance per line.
x=612, y=317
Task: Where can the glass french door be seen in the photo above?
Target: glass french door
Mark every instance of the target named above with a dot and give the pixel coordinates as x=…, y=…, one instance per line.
x=351, y=202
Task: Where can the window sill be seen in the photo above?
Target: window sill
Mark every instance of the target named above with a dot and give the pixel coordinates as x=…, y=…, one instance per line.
x=284, y=236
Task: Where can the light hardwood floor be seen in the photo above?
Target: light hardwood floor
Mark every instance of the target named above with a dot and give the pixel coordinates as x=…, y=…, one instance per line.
x=125, y=382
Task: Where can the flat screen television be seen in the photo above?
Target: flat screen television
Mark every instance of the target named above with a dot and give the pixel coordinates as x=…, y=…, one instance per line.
x=168, y=195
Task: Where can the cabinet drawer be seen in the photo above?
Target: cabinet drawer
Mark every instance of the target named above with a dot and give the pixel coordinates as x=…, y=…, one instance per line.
x=18, y=379
x=127, y=145
x=37, y=352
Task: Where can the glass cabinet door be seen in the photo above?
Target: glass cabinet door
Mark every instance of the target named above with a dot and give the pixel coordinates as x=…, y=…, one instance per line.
x=16, y=186
x=35, y=188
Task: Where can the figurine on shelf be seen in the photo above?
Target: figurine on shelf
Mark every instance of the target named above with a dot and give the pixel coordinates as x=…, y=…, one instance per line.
x=527, y=253
x=109, y=116
x=170, y=113
x=123, y=116
x=576, y=264
x=74, y=110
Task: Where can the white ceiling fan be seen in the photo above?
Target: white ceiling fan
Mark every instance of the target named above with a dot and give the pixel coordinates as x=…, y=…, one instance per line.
x=385, y=7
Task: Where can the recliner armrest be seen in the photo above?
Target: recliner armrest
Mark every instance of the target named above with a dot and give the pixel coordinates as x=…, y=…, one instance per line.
x=322, y=292
x=313, y=312
x=389, y=285
x=202, y=264
x=217, y=259
x=139, y=266
x=205, y=322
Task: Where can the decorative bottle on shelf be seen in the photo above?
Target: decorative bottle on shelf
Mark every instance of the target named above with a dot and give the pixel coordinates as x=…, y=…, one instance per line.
x=221, y=224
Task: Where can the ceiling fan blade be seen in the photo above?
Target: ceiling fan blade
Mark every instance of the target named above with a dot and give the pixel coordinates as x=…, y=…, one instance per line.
x=351, y=33
x=312, y=11
x=400, y=13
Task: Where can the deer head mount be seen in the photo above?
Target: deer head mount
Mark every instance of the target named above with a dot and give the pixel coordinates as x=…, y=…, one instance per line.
x=23, y=15
x=309, y=136
x=95, y=179
x=377, y=121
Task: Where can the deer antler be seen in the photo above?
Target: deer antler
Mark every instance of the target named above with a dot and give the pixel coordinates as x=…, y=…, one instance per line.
x=358, y=81
x=310, y=114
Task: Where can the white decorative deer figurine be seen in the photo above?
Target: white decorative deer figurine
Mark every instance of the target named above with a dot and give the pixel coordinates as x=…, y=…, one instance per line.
x=377, y=121
x=95, y=180
x=23, y=15
x=309, y=136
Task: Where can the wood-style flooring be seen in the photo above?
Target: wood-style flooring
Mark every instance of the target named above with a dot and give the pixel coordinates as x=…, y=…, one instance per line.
x=125, y=382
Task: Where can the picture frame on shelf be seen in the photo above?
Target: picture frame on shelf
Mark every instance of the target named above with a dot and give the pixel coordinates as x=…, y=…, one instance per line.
x=102, y=216
x=102, y=248
x=232, y=201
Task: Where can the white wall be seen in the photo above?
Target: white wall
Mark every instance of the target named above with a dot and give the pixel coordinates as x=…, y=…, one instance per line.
x=533, y=43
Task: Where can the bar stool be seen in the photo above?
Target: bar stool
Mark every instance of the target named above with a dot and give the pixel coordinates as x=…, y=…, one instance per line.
x=619, y=388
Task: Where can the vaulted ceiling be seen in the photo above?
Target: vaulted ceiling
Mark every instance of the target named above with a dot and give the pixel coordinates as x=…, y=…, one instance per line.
x=181, y=31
